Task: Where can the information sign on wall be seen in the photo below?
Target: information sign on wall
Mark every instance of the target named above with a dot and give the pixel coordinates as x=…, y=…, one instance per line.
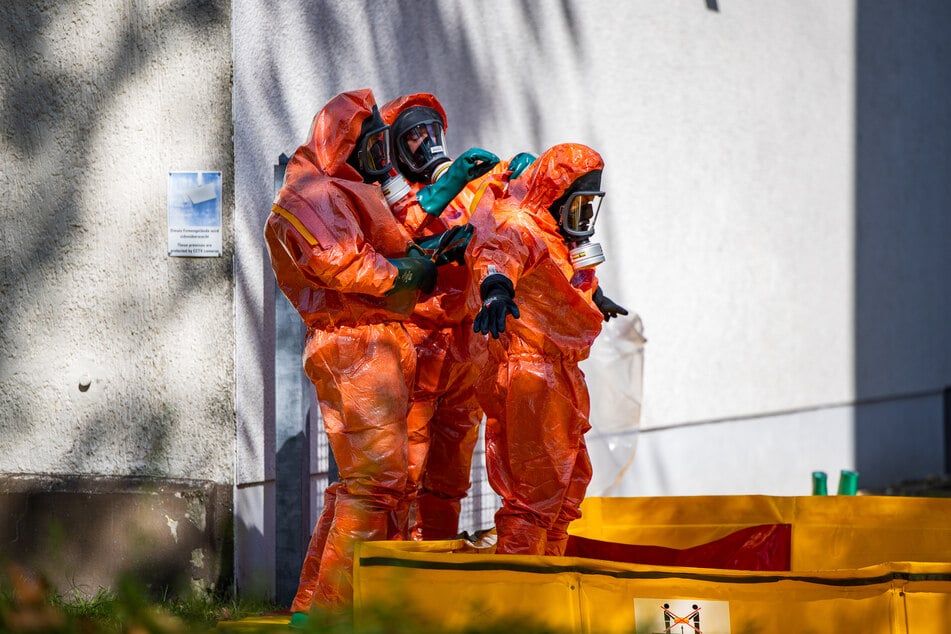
x=194, y=214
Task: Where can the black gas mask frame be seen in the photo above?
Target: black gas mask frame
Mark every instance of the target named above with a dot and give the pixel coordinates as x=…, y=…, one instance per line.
x=424, y=127
x=371, y=156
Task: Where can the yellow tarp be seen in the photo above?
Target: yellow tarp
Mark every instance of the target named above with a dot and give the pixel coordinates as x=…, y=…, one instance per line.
x=859, y=564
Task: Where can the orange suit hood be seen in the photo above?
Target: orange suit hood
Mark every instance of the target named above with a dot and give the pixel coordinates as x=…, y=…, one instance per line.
x=552, y=173
x=393, y=108
x=334, y=133
x=329, y=234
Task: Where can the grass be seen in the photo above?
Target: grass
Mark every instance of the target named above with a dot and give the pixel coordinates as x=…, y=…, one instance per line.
x=28, y=604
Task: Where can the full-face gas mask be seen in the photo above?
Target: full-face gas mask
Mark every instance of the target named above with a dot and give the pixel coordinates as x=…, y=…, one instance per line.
x=419, y=143
x=576, y=213
x=371, y=156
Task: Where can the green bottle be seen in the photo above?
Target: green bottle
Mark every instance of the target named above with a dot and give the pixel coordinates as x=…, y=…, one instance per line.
x=819, y=483
x=848, y=482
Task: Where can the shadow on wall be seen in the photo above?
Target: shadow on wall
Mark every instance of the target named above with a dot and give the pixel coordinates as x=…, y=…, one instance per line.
x=51, y=116
x=84, y=531
x=902, y=256
x=41, y=112
x=425, y=49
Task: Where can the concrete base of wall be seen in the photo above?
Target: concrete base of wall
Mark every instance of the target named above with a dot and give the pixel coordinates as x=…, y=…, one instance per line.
x=83, y=533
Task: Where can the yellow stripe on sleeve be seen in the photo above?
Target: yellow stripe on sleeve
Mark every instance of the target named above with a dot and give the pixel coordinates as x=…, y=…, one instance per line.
x=294, y=220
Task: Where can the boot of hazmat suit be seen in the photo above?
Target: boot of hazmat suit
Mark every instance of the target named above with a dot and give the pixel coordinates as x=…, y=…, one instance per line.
x=543, y=319
x=339, y=256
x=444, y=415
x=315, y=550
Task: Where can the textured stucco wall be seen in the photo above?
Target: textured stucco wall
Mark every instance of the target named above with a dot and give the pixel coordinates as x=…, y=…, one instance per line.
x=83, y=533
x=99, y=101
x=116, y=361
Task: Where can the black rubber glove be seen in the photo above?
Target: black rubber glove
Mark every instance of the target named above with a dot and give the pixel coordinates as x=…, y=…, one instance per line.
x=449, y=246
x=452, y=248
x=498, y=295
x=414, y=273
x=607, y=306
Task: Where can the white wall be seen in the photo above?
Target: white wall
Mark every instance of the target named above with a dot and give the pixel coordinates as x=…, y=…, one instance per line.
x=731, y=224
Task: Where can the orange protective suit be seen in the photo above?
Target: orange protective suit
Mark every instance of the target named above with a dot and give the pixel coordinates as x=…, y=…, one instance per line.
x=444, y=416
x=329, y=236
x=532, y=390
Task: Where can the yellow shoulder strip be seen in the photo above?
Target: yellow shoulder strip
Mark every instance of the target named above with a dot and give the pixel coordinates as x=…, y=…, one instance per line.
x=291, y=218
x=489, y=182
x=478, y=196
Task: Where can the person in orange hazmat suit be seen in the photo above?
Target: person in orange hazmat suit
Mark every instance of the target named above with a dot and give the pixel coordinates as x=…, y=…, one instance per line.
x=532, y=258
x=342, y=260
x=444, y=415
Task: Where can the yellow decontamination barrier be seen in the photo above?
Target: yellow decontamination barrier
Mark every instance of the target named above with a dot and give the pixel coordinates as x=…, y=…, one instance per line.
x=850, y=564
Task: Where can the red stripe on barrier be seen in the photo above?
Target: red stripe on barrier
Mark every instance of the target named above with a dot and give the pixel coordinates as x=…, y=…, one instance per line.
x=765, y=548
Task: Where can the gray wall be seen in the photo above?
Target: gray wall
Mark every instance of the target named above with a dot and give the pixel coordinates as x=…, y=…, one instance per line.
x=902, y=225
x=99, y=101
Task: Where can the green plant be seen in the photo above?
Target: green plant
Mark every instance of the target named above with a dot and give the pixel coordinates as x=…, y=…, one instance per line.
x=29, y=604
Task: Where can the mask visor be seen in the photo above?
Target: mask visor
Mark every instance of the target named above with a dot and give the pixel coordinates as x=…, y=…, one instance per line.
x=422, y=146
x=580, y=212
x=375, y=152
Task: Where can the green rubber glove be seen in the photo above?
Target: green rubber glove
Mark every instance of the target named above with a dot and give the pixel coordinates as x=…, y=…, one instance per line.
x=518, y=163
x=471, y=164
x=413, y=273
